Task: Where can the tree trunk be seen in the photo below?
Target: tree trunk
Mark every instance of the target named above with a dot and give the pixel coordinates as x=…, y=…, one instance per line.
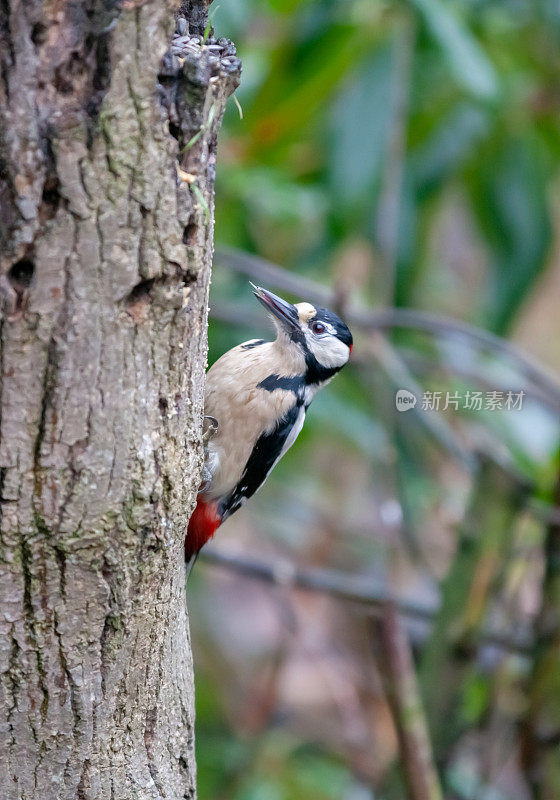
x=107, y=158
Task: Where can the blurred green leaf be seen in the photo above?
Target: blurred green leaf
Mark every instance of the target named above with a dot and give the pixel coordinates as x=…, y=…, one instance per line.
x=284, y=216
x=361, y=120
x=262, y=789
x=466, y=58
x=509, y=189
x=476, y=697
x=453, y=139
x=281, y=109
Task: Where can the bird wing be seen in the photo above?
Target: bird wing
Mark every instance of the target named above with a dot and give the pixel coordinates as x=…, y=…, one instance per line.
x=248, y=400
x=268, y=450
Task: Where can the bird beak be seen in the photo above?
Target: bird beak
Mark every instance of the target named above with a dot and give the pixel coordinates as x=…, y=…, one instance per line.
x=285, y=312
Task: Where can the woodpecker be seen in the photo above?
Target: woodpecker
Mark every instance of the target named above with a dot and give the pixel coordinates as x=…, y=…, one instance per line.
x=257, y=395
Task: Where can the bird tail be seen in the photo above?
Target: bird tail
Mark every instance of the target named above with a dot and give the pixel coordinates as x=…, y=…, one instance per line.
x=204, y=522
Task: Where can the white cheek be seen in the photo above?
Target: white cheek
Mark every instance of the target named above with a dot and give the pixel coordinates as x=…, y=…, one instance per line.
x=330, y=352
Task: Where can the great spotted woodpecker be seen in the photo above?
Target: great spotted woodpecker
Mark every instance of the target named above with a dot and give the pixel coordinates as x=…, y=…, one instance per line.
x=257, y=394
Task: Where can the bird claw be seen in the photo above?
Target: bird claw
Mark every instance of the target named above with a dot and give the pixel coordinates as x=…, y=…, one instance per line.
x=209, y=428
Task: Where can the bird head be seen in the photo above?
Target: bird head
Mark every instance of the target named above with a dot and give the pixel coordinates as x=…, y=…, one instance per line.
x=324, y=339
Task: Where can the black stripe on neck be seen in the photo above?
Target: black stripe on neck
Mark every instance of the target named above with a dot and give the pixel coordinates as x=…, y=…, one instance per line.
x=316, y=372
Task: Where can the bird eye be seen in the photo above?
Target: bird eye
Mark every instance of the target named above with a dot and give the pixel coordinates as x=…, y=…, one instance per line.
x=318, y=327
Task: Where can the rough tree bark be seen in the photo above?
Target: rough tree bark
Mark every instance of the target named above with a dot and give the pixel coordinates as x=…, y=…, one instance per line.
x=107, y=157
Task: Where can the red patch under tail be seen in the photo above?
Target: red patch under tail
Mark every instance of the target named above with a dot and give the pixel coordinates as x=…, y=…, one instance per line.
x=203, y=524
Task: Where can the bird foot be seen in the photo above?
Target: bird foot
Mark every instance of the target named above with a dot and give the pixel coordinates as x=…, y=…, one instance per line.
x=209, y=427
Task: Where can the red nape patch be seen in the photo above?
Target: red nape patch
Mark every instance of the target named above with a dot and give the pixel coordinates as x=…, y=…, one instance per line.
x=350, y=347
x=203, y=524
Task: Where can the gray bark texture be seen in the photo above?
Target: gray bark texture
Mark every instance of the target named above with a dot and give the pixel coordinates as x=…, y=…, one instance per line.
x=107, y=159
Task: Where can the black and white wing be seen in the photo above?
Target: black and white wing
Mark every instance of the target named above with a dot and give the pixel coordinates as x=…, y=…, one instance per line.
x=268, y=450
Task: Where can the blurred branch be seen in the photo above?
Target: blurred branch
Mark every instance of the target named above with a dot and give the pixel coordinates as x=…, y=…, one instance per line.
x=439, y=325
x=262, y=270
x=384, y=319
x=231, y=314
x=396, y=665
x=420, y=362
x=366, y=591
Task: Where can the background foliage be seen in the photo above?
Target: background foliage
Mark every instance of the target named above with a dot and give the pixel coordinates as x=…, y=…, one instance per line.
x=406, y=154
